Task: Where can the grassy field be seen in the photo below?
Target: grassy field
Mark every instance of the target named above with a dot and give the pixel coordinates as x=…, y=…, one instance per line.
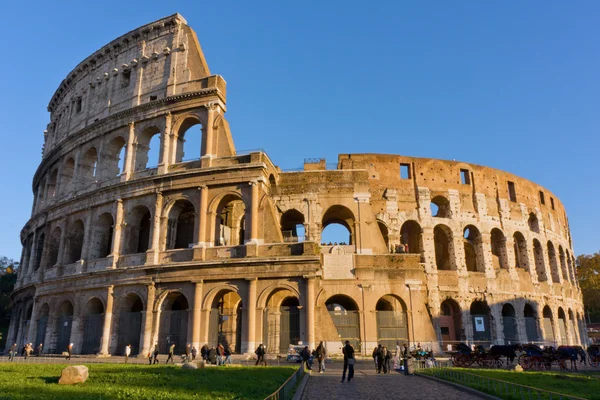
x=136, y=382
x=584, y=385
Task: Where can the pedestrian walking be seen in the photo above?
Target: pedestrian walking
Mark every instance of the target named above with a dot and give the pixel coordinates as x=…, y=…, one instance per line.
x=349, y=361
x=228, y=355
x=194, y=353
x=387, y=355
x=374, y=355
x=28, y=350
x=150, y=358
x=321, y=356
x=305, y=355
x=380, y=356
x=39, y=350
x=260, y=355
x=188, y=352
x=204, y=351
x=171, y=352
x=220, y=354
x=155, y=354
x=127, y=353
x=69, y=351
x=12, y=352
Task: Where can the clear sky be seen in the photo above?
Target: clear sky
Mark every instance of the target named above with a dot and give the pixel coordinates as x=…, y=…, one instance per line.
x=511, y=85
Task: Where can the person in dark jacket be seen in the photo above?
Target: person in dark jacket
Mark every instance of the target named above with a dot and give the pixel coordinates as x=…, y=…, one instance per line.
x=211, y=355
x=321, y=356
x=40, y=349
x=171, y=353
x=155, y=354
x=380, y=360
x=387, y=355
x=260, y=355
x=12, y=352
x=349, y=361
x=204, y=352
x=194, y=353
x=305, y=354
x=188, y=353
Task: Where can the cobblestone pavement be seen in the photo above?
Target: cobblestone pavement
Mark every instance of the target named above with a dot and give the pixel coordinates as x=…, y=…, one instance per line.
x=367, y=384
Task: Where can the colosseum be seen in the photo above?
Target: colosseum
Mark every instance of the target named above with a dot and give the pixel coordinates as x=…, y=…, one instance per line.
x=133, y=241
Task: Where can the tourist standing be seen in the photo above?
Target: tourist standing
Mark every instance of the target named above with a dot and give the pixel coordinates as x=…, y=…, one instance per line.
x=171, y=352
x=188, y=352
x=155, y=354
x=12, y=352
x=69, y=351
x=228, y=355
x=194, y=353
x=380, y=360
x=305, y=354
x=349, y=361
x=127, y=353
x=220, y=354
x=387, y=355
x=260, y=355
x=321, y=356
x=40, y=348
x=204, y=351
x=374, y=355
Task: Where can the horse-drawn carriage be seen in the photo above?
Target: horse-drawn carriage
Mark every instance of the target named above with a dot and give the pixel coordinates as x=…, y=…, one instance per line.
x=536, y=358
x=465, y=357
x=594, y=355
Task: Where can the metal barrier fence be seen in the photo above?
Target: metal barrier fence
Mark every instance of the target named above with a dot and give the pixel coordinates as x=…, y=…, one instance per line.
x=287, y=389
x=496, y=387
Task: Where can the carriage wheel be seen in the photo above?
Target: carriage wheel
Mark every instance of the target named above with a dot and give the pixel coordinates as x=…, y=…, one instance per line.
x=498, y=363
x=487, y=362
x=548, y=365
x=462, y=360
x=524, y=361
x=537, y=363
x=594, y=361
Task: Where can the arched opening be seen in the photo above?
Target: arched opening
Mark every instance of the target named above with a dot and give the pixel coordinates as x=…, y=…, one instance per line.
x=138, y=223
x=571, y=328
x=281, y=324
x=392, y=323
x=39, y=251
x=444, y=248
x=540, y=266
x=173, y=323
x=75, y=242
x=473, y=249
x=190, y=143
x=411, y=235
x=114, y=159
x=67, y=174
x=41, y=191
x=53, y=247
x=338, y=226
x=88, y=167
x=531, y=327
x=345, y=316
x=440, y=207
x=480, y=314
x=147, y=153
x=52, y=182
x=553, y=263
x=42, y=325
x=450, y=322
x=581, y=326
x=225, y=325
x=549, y=335
x=563, y=263
x=130, y=324
x=231, y=224
x=571, y=269
x=181, y=225
x=533, y=223
x=520, y=247
x=384, y=233
x=510, y=324
x=102, y=236
x=562, y=325
x=499, y=256
x=292, y=226
x=65, y=321
x=26, y=323
x=92, y=326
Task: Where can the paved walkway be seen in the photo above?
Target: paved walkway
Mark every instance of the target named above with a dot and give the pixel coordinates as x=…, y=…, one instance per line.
x=367, y=384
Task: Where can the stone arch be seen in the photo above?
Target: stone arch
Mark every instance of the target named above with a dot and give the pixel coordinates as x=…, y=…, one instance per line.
x=520, y=248
x=67, y=175
x=450, y=321
x=225, y=320
x=411, y=235
x=229, y=221
x=344, y=313
x=265, y=294
x=563, y=263
x=145, y=154
x=281, y=317
x=129, y=328
x=549, y=334
x=572, y=328
x=39, y=250
x=383, y=229
x=173, y=324
x=88, y=167
x=292, y=223
x=93, y=323
x=510, y=326
x=181, y=228
x=340, y=215
x=392, y=321
x=139, y=223
x=498, y=244
x=184, y=131
x=42, y=325
x=64, y=324
x=562, y=326
x=533, y=223
x=481, y=318
x=74, y=242
x=540, y=265
x=113, y=159
x=41, y=192
x=570, y=265
x=473, y=245
x=440, y=207
x=53, y=247
x=52, y=187
x=444, y=248
x=102, y=236
x=553, y=262
x=531, y=326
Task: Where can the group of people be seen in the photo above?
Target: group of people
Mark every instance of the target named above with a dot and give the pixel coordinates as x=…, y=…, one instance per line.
x=382, y=356
x=334, y=244
x=26, y=351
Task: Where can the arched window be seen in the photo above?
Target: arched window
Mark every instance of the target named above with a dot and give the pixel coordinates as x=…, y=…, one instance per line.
x=480, y=314
x=384, y=233
x=173, y=323
x=540, y=265
x=440, y=207
x=68, y=172
x=92, y=326
x=52, y=184
x=88, y=167
x=147, y=153
x=411, y=236
x=230, y=224
x=520, y=247
x=530, y=323
x=114, y=158
x=190, y=143
x=548, y=325
x=53, y=247
x=102, y=235
x=562, y=326
x=533, y=223
x=563, y=264
x=338, y=226
x=39, y=251
x=444, y=247
x=292, y=226
x=499, y=256
x=392, y=321
x=553, y=263
x=473, y=249
x=344, y=314
x=225, y=322
x=138, y=224
x=182, y=219
x=509, y=324
x=74, y=242
x=450, y=321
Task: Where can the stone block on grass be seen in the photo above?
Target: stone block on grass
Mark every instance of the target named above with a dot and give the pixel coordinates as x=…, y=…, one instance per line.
x=73, y=374
x=189, y=365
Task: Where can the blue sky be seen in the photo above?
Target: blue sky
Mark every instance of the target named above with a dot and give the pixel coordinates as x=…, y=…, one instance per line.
x=512, y=85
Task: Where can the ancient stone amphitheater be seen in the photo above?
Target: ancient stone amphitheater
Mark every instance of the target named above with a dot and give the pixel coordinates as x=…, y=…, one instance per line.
x=132, y=241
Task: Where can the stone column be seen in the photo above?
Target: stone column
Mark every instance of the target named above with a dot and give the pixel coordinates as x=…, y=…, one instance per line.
x=10, y=337
x=19, y=329
x=61, y=245
x=116, y=245
x=202, y=215
x=87, y=238
x=310, y=311
x=30, y=268
x=107, y=322
x=208, y=129
x=154, y=251
x=167, y=136
x=148, y=316
x=129, y=156
x=486, y=255
x=250, y=308
x=197, y=314
x=32, y=323
x=253, y=212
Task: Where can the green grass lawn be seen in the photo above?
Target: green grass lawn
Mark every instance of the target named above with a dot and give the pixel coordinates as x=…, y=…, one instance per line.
x=584, y=385
x=133, y=382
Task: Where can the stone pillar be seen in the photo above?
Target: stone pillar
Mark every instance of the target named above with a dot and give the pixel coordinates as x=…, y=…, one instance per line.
x=129, y=156
x=250, y=308
x=32, y=323
x=486, y=255
x=253, y=212
x=20, y=326
x=116, y=246
x=10, y=337
x=148, y=316
x=87, y=237
x=208, y=129
x=196, y=315
x=167, y=139
x=32, y=254
x=310, y=311
x=107, y=322
x=202, y=215
x=154, y=251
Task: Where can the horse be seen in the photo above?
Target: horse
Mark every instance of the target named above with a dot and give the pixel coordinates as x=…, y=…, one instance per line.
x=570, y=353
x=509, y=351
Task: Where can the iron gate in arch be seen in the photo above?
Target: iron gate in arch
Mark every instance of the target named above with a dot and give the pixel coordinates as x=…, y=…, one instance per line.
x=509, y=328
x=348, y=326
x=64, y=333
x=130, y=326
x=92, y=333
x=226, y=328
x=392, y=328
x=281, y=328
x=531, y=329
x=173, y=330
x=41, y=331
